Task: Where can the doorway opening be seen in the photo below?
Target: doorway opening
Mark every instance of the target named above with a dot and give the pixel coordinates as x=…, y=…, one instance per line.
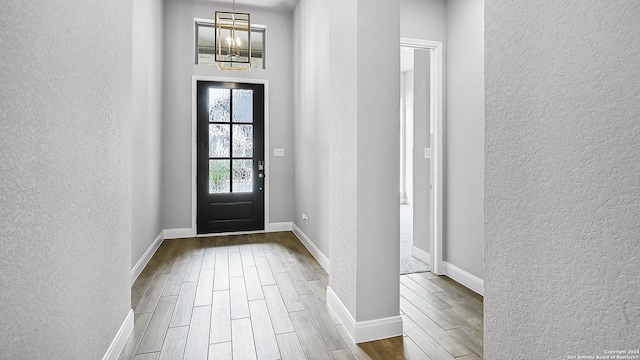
x=421, y=157
x=230, y=185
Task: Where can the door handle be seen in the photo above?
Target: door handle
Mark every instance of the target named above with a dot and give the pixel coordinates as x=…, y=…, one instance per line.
x=261, y=175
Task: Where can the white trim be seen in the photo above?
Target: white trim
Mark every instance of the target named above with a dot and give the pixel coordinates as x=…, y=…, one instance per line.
x=188, y=232
x=282, y=226
x=471, y=281
x=179, y=233
x=421, y=255
x=322, y=259
x=229, y=233
x=437, y=146
x=194, y=145
x=363, y=331
x=144, y=260
x=114, y=350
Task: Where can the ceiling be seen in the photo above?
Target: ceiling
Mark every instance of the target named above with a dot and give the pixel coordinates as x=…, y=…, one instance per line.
x=270, y=4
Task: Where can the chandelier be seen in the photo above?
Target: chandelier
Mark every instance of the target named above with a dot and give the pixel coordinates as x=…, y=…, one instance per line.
x=233, y=40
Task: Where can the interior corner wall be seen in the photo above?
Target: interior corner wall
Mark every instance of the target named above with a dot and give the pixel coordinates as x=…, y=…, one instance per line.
x=146, y=175
x=423, y=20
x=562, y=189
x=179, y=67
x=311, y=125
x=65, y=189
x=464, y=136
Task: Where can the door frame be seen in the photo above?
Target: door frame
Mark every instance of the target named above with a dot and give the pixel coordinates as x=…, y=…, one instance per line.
x=436, y=126
x=194, y=148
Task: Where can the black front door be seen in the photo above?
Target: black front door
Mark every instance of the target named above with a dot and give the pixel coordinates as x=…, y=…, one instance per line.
x=230, y=157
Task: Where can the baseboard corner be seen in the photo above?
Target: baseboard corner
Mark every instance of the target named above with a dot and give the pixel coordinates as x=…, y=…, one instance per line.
x=363, y=331
x=144, y=260
x=281, y=226
x=180, y=233
x=471, y=281
x=114, y=350
x=421, y=255
x=322, y=259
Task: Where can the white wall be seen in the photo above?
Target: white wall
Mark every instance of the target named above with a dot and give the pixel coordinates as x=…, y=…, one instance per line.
x=561, y=179
x=464, y=136
x=347, y=135
x=146, y=148
x=406, y=177
x=343, y=149
x=179, y=67
x=423, y=19
x=311, y=125
x=378, y=151
x=421, y=140
x=65, y=185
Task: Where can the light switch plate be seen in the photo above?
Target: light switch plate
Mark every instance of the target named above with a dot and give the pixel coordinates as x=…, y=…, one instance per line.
x=427, y=153
x=278, y=152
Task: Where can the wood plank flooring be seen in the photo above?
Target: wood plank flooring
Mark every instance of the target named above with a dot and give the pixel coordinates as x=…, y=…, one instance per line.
x=263, y=297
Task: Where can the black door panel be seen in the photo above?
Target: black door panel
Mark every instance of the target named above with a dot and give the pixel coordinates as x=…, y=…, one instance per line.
x=230, y=157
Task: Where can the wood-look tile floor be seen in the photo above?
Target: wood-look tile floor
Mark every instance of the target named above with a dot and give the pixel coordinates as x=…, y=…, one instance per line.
x=263, y=296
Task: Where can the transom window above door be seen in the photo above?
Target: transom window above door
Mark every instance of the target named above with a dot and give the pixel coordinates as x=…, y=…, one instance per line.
x=205, y=43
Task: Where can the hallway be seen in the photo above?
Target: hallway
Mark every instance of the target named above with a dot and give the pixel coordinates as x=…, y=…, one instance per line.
x=262, y=296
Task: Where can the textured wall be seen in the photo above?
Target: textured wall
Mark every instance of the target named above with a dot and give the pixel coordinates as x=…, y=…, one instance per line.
x=562, y=189
x=311, y=124
x=343, y=148
x=179, y=67
x=65, y=186
x=146, y=176
x=363, y=157
x=464, y=140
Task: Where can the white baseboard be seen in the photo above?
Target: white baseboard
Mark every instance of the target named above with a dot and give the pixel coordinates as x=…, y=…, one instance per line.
x=144, y=260
x=114, y=350
x=363, y=331
x=472, y=282
x=178, y=233
x=313, y=249
x=282, y=226
x=228, y=233
x=421, y=255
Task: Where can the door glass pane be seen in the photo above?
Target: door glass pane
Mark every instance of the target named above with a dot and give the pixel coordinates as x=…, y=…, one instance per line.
x=242, y=106
x=219, y=105
x=219, y=176
x=219, y=140
x=242, y=140
x=242, y=176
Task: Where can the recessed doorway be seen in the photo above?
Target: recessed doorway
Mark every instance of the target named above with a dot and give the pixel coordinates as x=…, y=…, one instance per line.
x=230, y=157
x=421, y=156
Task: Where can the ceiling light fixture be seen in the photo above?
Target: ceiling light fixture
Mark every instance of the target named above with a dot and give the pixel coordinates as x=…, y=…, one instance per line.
x=233, y=40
